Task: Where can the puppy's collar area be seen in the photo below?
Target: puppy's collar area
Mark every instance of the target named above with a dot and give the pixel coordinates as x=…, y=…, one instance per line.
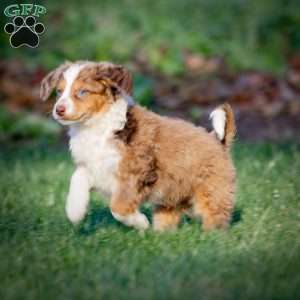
x=130, y=102
x=127, y=132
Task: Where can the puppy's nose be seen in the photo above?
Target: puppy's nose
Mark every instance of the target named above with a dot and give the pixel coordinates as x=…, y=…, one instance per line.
x=60, y=110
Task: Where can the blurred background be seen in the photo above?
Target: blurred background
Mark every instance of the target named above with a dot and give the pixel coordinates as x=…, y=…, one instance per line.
x=186, y=57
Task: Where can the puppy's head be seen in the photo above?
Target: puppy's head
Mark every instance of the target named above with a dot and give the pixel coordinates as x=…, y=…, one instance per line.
x=84, y=89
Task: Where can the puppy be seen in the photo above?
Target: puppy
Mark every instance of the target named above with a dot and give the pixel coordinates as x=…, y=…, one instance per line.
x=132, y=155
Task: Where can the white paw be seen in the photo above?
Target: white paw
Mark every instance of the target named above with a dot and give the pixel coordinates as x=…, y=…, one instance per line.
x=136, y=220
x=75, y=214
x=141, y=222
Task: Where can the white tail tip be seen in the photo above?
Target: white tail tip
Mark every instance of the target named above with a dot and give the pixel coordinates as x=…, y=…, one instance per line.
x=218, y=117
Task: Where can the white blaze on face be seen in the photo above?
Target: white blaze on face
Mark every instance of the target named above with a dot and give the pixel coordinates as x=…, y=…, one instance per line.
x=65, y=99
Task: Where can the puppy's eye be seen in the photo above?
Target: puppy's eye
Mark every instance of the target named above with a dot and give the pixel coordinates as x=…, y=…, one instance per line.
x=58, y=92
x=82, y=93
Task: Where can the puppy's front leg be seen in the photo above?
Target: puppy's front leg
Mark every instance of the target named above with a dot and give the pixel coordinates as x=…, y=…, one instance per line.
x=124, y=208
x=78, y=197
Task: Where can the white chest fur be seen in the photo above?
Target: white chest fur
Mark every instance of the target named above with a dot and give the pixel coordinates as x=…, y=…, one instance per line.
x=92, y=147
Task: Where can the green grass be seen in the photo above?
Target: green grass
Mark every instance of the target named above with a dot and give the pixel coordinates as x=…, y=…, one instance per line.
x=43, y=257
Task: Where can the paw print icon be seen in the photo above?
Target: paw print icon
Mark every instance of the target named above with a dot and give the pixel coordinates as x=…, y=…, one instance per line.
x=24, y=32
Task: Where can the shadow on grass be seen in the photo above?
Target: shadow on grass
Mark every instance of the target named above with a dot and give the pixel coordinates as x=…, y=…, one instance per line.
x=102, y=217
x=98, y=217
x=236, y=218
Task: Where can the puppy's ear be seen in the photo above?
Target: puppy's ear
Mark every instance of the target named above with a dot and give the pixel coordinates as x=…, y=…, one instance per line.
x=51, y=79
x=117, y=75
x=111, y=88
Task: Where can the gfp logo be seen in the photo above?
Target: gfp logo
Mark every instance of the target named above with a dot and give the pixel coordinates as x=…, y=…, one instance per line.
x=24, y=30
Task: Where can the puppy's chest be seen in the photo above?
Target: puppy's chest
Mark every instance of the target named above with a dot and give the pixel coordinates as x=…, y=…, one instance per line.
x=100, y=156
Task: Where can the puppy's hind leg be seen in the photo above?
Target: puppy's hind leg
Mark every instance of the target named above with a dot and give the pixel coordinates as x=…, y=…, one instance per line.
x=165, y=218
x=214, y=207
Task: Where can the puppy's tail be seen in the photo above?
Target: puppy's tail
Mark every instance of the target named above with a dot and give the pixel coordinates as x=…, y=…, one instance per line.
x=224, y=124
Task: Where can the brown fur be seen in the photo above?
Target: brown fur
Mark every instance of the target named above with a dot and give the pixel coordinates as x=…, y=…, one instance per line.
x=94, y=102
x=165, y=218
x=183, y=163
x=230, y=128
x=51, y=80
x=103, y=83
x=126, y=134
x=117, y=74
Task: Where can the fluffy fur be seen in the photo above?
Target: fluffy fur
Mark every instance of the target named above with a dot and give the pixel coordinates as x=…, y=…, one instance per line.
x=131, y=155
x=218, y=117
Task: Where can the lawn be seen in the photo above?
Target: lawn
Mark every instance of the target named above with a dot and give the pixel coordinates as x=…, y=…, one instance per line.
x=42, y=256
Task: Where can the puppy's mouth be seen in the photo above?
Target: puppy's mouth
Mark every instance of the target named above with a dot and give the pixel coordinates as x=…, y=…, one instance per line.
x=65, y=120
